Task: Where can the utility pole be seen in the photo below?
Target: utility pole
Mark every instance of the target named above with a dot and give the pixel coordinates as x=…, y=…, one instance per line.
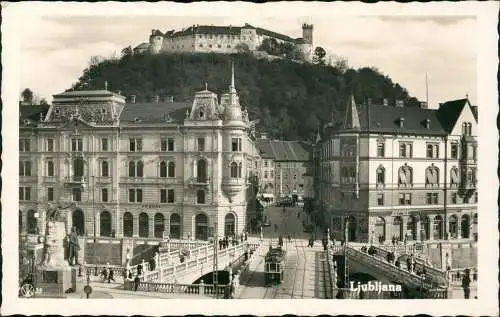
x=216, y=239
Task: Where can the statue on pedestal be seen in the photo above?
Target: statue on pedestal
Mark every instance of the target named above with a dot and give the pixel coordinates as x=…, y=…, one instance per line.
x=74, y=247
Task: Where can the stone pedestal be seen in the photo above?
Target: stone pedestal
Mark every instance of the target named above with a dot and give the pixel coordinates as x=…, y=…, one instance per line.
x=54, y=276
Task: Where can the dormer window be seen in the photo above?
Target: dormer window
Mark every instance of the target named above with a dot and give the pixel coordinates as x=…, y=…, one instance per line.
x=401, y=122
x=427, y=123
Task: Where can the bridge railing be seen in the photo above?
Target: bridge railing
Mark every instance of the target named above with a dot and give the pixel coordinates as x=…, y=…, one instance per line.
x=432, y=272
x=347, y=293
x=456, y=275
x=388, y=268
x=181, y=269
x=175, y=288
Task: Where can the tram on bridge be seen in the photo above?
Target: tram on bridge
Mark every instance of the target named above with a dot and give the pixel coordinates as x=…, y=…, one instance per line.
x=274, y=266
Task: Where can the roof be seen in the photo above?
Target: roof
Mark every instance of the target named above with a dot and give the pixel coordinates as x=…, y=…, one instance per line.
x=151, y=112
x=32, y=112
x=142, y=46
x=229, y=30
x=97, y=92
x=283, y=150
x=449, y=112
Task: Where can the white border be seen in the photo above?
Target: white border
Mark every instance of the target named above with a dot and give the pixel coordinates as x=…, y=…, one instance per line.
x=15, y=14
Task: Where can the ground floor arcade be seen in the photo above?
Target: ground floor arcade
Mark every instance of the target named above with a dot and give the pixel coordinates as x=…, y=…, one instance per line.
x=183, y=222
x=409, y=225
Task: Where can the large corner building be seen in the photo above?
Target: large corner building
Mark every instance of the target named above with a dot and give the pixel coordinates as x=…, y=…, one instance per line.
x=138, y=169
x=388, y=172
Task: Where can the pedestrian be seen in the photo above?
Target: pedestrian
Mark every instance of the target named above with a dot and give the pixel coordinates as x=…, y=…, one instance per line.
x=152, y=264
x=397, y=264
x=289, y=238
x=466, y=284
x=111, y=276
x=139, y=269
x=220, y=244
x=408, y=264
x=137, y=280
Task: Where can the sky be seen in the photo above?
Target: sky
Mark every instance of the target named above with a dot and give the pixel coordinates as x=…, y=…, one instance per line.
x=404, y=47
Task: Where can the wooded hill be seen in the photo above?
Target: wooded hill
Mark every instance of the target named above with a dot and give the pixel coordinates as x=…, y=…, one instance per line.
x=291, y=99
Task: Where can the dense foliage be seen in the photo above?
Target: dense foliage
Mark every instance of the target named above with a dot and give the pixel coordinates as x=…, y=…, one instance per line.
x=291, y=99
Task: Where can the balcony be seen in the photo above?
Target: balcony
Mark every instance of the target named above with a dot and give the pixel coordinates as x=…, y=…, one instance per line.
x=232, y=186
x=75, y=180
x=199, y=181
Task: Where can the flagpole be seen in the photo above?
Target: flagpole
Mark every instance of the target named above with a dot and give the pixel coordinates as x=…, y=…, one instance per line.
x=426, y=90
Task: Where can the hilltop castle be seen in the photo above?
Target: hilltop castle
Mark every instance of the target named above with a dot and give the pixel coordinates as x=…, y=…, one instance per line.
x=221, y=39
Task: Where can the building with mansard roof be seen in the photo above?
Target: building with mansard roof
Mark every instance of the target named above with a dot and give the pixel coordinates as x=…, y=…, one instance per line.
x=222, y=39
x=393, y=171
x=138, y=169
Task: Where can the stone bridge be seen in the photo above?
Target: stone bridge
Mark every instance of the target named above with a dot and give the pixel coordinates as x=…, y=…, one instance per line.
x=376, y=266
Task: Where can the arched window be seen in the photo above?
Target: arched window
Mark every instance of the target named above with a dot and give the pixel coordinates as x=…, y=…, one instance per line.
x=128, y=224
x=175, y=226
x=32, y=222
x=50, y=168
x=159, y=225
x=469, y=128
x=143, y=225
x=229, y=224
x=411, y=228
x=200, y=197
x=163, y=169
x=380, y=176
x=140, y=169
x=438, y=227
x=201, y=227
x=104, y=169
x=78, y=221
x=105, y=218
x=453, y=226
x=131, y=169
x=78, y=167
x=397, y=228
x=171, y=169
x=379, y=229
x=234, y=170
x=465, y=226
x=464, y=128
x=240, y=168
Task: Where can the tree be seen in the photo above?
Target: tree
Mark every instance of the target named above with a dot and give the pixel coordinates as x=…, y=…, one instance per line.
x=340, y=63
x=127, y=51
x=27, y=95
x=319, y=55
x=242, y=48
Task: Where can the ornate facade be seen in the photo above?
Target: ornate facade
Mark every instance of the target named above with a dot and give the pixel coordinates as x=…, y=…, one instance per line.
x=221, y=39
x=395, y=171
x=139, y=169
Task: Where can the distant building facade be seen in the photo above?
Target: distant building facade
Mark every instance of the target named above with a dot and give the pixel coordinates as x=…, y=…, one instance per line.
x=222, y=39
x=138, y=169
x=393, y=172
x=283, y=167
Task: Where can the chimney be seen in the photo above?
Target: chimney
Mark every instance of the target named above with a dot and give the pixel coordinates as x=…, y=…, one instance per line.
x=157, y=99
x=169, y=99
x=401, y=122
x=423, y=105
x=399, y=103
x=386, y=102
x=132, y=99
x=427, y=123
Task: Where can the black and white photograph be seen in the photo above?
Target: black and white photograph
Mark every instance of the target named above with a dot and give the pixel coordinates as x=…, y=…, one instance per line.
x=307, y=158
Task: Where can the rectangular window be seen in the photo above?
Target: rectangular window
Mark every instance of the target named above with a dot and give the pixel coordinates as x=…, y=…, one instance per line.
x=380, y=199
x=50, y=145
x=435, y=198
x=404, y=199
x=454, y=151
x=104, y=194
x=265, y=163
x=135, y=145
x=24, y=145
x=77, y=194
x=210, y=45
x=407, y=199
x=380, y=149
x=135, y=195
x=131, y=195
x=271, y=173
x=163, y=145
x=432, y=151
x=104, y=144
x=201, y=144
x=50, y=194
x=219, y=46
x=428, y=198
x=163, y=196
x=405, y=149
x=171, y=144
x=475, y=197
x=170, y=196
x=236, y=145
x=138, y=194
x=27, y=193
x=201, y=45
x=265, y=174
x=454, y=198
x=401, y=199
x=76, y=145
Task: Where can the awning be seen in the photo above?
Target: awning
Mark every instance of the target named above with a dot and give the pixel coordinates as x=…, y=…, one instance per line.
x=264, y=195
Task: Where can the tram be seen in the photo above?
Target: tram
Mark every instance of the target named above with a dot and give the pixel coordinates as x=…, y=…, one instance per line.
x=274, y=266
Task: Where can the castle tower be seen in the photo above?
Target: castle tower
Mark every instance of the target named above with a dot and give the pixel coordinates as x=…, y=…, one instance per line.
x=155, y=41
x=307, y=33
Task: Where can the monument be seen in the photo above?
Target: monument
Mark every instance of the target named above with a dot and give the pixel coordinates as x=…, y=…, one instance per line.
x=55, y=276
